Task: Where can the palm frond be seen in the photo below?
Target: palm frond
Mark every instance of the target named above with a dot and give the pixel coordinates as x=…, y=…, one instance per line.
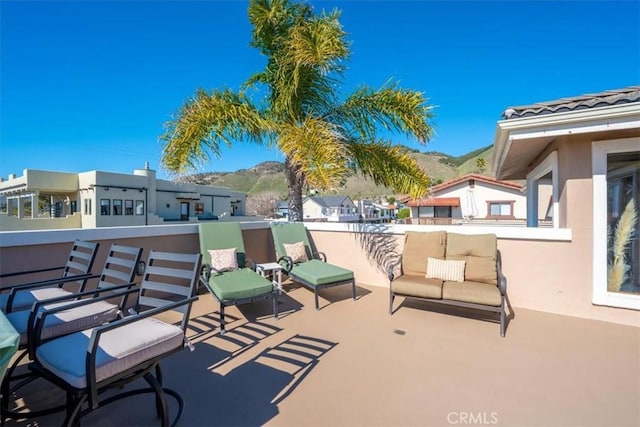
x=317, y=150
x=204, y=122
x=389, y=166
x=389, y=108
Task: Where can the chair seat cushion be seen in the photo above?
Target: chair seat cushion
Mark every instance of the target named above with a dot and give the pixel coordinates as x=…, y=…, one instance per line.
x=120, y=350
x=239, y=284
x=472, y=292
x=318, y=273
x=25, y=299
x=67, y=321
x=417, y=286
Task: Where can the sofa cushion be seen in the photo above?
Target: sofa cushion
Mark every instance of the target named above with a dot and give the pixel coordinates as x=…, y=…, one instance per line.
x=418, y=246
x=445, y=269
x=479, y=251
x=472, y=292
x=417, y=286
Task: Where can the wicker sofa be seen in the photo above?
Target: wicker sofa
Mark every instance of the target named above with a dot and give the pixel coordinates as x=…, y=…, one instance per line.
x=450, y=268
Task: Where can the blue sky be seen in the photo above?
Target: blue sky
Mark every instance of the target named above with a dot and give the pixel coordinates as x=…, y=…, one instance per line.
x=88, y=85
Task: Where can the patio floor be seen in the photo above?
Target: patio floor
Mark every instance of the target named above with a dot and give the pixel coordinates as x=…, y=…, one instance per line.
x=351, y=364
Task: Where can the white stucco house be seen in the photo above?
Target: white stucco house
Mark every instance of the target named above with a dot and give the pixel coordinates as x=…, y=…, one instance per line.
x=46, y=199
x=471, y=197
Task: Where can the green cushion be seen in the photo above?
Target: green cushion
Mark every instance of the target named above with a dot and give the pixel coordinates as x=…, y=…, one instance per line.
x=317, y=273
x=221, y=235
x=239, y=284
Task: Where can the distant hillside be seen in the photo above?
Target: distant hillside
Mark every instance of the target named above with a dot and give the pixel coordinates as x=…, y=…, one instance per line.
x=270, y=175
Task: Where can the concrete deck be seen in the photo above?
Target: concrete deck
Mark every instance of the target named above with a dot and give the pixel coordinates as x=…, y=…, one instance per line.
x=352, y=364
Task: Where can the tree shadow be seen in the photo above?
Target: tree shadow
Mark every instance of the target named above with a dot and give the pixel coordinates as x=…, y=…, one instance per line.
x=378, y=243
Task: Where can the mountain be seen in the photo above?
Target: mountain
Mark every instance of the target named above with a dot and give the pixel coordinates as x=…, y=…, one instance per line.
x=269, y=176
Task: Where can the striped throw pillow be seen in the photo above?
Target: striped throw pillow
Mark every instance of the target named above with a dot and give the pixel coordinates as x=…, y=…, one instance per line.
x=445, y=269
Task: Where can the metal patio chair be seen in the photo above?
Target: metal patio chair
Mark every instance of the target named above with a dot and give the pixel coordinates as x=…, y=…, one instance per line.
x=77, y=269
x=87, y=363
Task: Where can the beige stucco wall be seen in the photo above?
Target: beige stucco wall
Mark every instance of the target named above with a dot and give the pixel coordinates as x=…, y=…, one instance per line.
x=542, y=274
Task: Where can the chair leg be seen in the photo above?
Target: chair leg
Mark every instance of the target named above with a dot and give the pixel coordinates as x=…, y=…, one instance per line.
x=315, y=290
x=74, y=405
x=162, y=408
x=503, y=321
x=353, y=288
x=275, y=305
x=391, y=298
x=222, y=323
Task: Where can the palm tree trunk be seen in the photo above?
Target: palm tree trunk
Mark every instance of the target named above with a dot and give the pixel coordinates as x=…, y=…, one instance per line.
x=295, y=182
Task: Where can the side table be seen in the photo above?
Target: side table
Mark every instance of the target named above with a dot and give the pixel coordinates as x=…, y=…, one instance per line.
x=272, y=270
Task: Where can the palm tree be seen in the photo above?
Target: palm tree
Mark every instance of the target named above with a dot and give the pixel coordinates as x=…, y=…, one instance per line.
x=295, y=105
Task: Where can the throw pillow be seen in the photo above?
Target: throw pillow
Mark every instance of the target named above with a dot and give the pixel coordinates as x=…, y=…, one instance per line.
x=224, y=259
x=296, y=251
x=445, y=269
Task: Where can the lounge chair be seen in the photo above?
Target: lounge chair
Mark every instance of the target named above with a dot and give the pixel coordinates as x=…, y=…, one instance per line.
x=85, y=364
x=302, y=264
x=77, y=269
x=118, y=273
x=227, y=276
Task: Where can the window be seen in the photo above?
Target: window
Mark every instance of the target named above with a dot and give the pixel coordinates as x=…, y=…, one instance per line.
x=87, y=206
x=74, y=206
x=128, y=207
x=434, y=211
x=542, y=192
x=139, y=207
x=616, y=201
x=500, y=209
x=199, y=208
x=105, y=206
x=3, y=204
x=117, y=207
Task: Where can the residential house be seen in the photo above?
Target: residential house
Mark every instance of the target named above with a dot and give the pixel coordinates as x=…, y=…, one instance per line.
x=471, y=197
x=330, y=208
x=45, y=199
x=371, y=211
x=588, y=148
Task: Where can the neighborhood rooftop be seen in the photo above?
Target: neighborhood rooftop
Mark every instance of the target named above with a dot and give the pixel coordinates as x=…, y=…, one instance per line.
x=587, y=101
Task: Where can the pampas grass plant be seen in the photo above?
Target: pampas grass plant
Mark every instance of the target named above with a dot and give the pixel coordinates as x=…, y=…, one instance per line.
x=618, y=269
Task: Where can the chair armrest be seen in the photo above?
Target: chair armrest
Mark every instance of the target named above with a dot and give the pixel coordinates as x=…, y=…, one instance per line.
x=37, y=317
x=502, y=280
x=286, y=262
x=13, y=290
x=319, y=255
x=249, y=263
x=24, y=273
x=392, y=267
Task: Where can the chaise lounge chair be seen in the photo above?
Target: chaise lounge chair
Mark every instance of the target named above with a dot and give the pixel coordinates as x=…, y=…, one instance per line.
x=302, y=265
x=85, y=364
x=225, y=273
x=77, y=269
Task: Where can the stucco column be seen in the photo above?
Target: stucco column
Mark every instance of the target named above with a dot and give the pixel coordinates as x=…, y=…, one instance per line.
x=532, y=202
